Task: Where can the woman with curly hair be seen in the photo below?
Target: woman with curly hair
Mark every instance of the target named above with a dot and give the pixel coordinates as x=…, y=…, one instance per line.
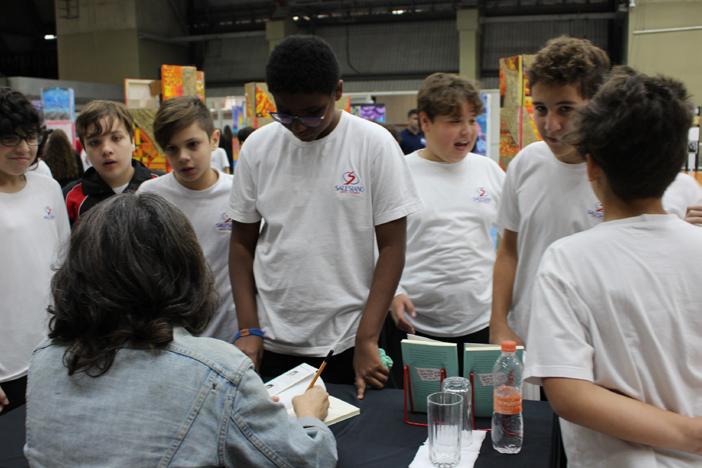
x=124, y=380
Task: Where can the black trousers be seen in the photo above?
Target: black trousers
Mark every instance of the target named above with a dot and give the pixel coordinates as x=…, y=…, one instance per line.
x=16, y=392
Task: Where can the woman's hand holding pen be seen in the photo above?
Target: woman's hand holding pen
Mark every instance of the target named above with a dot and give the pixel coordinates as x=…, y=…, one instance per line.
x=368, y=367
x=313, y=403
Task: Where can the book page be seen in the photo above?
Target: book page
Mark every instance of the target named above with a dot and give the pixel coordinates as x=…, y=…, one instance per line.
x=295, y=382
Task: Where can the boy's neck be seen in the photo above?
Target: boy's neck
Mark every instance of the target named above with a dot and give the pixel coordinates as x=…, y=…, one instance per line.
x=572, y=157
x=615, y=208
x=122, y=179
x=12, y=183
x=208, y=179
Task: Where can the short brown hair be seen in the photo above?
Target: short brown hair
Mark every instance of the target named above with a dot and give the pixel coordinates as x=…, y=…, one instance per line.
x=89, y=119
x=178, y=113
x=570, y=61
x=444, y=93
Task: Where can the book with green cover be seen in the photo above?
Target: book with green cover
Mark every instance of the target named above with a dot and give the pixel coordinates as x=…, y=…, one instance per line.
x=425, y=359
x=480, y=359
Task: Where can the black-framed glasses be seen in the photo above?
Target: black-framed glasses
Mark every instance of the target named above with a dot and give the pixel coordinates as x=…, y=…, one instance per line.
x=287, y=119
x=13, y=140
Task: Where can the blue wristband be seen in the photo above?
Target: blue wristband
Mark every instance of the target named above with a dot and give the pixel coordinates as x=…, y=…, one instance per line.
x=248, y=332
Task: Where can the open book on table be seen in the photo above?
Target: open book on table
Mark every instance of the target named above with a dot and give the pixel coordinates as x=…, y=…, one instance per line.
x=426, y=357
x=295, y=381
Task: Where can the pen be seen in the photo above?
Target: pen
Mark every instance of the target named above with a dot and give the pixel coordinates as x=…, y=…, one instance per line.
x=321, y=368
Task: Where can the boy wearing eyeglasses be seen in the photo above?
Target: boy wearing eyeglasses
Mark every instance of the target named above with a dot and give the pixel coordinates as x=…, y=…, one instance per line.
x=33, y=230
x=106, y=131
x=328, y=185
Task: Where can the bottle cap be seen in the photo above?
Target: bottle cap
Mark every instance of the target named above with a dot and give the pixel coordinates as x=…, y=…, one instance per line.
x=509, y=346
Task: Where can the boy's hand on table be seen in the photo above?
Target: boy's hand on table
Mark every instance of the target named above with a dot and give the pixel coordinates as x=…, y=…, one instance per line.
x=252, y=346
x=368, y=367
x=399, y=309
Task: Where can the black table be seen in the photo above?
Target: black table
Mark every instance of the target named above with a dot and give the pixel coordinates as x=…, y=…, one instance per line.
x=375, y=438
x=379, y=438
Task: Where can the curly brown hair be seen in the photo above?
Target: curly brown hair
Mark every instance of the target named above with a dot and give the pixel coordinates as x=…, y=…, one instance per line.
x=134, y=271
x=445, y=93
x=88, y=123
x=635, y=128
x=568, y=60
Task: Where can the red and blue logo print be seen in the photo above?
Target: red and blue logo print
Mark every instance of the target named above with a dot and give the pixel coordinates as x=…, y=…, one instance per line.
x=350, y=183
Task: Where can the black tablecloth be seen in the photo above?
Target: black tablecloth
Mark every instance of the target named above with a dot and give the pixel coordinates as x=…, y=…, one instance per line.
x=379, y=438
x=375, y=438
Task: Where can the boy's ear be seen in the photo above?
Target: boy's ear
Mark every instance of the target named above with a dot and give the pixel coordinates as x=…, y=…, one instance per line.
x=214, y=139
x=594, y=171
x=339, y=90
x=424, y=121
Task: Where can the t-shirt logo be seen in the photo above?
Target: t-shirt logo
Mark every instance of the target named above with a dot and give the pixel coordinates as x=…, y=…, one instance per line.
x=598, y=212
x=350, y=183
x=482, y=196
x=49, y=213
x=225, y=223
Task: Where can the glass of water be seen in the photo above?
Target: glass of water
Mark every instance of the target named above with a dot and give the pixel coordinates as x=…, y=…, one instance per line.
x=461, y=386
x=445, y=418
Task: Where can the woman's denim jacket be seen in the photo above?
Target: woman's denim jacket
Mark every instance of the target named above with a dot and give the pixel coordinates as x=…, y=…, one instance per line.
x=199, y=402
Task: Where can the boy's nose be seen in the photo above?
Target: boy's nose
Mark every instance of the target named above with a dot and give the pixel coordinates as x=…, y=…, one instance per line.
x=553, y=123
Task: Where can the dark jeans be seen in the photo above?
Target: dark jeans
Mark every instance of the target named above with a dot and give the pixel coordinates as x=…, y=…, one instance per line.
x=391, y=339
x=16, y=392
x=339, y=368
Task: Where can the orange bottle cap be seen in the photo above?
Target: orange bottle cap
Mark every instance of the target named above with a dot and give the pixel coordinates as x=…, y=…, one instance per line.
x=509, y=346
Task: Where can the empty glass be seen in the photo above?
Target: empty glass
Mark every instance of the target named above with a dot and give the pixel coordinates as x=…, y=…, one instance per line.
x=461, y=386
x=445, y=418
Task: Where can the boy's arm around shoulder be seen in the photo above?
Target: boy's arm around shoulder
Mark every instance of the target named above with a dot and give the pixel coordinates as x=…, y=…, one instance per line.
x=602, y=410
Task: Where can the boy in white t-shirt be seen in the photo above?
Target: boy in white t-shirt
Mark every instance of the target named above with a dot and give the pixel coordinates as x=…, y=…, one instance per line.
x=220, y=161
x=614, y=336
x=34, y=230
x=546, y=195
x=328, y=185
x=445, y=288
x=183, y=127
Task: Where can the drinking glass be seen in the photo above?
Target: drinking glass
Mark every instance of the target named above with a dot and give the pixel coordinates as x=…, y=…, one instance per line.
x=445, y=418
x=461, y=386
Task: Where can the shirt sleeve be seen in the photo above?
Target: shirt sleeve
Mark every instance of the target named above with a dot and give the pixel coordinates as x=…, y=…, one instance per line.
x=244, y=194
x=394, y=194
x=508, y=216
x=62, y=224
x=262, y=433
x=557, y=344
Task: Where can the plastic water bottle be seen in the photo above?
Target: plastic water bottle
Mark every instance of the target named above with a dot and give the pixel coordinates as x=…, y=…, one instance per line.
x=507, y=425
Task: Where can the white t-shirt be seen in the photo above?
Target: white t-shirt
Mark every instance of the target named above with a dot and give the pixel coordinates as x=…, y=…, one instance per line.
x=543, y=200
x=34, y=232
x=41, y=168
x=450, y=254
x=683, y=192
x=619, y=305
x=206, y=211
x=219, y=159
x=321, y=201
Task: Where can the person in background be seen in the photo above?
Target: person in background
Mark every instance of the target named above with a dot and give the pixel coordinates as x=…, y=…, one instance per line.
x=412, y=138
x=62, y=160
x=34, y=230
x=124, y=370
x=243, y=134
x=183, y=127
x=614, y=336
x=226, y=141
x=219, y=161
x=330, y=187
x=444, y=292
x=106, y=131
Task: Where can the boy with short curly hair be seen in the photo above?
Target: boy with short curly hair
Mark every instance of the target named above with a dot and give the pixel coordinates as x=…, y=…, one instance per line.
x=614, y=336
x=329, y=185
